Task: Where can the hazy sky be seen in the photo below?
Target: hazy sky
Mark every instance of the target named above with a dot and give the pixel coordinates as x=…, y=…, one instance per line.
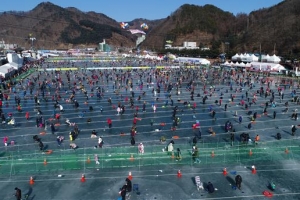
x=123, y=11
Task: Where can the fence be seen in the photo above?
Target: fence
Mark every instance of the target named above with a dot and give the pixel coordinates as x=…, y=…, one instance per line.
x=18, y=161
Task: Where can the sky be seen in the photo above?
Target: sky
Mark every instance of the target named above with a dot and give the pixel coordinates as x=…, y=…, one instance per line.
x=128, y=10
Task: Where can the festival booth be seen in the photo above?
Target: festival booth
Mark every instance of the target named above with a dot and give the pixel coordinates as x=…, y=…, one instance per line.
x=236, y=57
x=244, y=58
x=6, y=70
x=270, y=59
x=190, y=60
x=266, y=67
x=274, y=59
x=227, y=64
x=15, y=60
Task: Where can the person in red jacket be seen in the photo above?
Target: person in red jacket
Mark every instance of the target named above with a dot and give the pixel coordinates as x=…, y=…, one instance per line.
x=109, y=122
x=134, y=121
x=27, y=115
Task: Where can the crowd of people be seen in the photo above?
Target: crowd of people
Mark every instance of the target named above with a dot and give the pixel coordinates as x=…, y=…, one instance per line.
x=126, y=91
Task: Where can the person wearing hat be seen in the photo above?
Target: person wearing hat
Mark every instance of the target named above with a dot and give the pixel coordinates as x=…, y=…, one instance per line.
x=94, y=134
x=18, y=194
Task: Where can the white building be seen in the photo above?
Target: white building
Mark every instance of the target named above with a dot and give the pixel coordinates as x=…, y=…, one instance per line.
x=15, y=60
x=186, y=45
x=6, y=46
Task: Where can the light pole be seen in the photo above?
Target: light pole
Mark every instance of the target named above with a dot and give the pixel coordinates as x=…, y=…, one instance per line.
x=32, y=39
x=227, y=47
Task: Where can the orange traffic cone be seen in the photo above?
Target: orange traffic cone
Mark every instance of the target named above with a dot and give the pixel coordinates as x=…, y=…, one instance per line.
x=250, y=152
x=88, y=160
x=129, y=176
x=225, y=172
x=179, y=174
x=286, y=150
x=31, y=181
x=45, y=161
x=82, y=178
x=212, y=154
x=253, y=170
x=131, y=157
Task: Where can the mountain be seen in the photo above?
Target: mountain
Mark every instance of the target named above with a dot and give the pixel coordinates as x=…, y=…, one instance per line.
x=201, y=24
x=268, y=29
x=55, y=27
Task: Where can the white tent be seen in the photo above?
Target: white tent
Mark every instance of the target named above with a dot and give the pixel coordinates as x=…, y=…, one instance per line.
x=254, y=58
x=6, y=69
x=15, y=60
x=239, y=64
x=235, y=57
x=274, y=59
x=201, y=61
x=248, y=65
x=266, y=67
x=204, y=62
x=265, y=58
x=242, y=64
x=244, y=57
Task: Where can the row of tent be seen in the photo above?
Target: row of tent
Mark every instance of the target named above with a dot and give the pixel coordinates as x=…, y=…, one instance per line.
x=253, y=58
x=256, y=66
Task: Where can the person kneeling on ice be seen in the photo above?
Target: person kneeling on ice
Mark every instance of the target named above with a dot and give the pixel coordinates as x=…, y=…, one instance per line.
x=70, y=123
x=210, y=187
x=73, y=146
x=61, y=108
x=94, y=134
x=59, y=140
x=11, y=121
x=100, y=142
x=238, y=181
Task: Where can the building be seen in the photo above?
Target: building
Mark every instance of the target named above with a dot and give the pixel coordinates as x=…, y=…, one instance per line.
x=186, y=45
x=5, y=46
x=103, y=47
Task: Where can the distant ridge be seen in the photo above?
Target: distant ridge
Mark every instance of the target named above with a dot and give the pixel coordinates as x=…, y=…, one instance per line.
x=277, y=27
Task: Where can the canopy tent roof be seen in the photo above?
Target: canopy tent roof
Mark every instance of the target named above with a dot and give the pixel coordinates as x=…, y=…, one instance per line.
x=201, y=61
x=244, y=57
x=274, y=59
x=266, y=66
x=6, y=69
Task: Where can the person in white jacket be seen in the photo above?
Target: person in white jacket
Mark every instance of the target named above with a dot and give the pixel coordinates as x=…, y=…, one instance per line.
x=141, y=148
x=61, y=108
x=100, y=142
